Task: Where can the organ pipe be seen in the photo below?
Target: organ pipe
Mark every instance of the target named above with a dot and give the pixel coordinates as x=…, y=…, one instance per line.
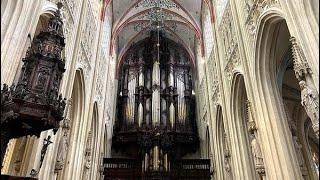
x=156, y=89
x=140, y=92
x=156, y=93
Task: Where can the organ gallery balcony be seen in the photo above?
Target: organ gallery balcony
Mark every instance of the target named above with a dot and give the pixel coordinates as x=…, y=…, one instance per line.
x=125, y=169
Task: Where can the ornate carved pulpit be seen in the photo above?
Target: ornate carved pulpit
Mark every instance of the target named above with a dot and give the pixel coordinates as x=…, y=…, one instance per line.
x=33, y=105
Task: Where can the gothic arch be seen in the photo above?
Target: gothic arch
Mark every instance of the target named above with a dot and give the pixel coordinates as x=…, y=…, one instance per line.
x=89, y=163
x=222, y=147
x=239, y=121
x=269, y=100
x=77, y=125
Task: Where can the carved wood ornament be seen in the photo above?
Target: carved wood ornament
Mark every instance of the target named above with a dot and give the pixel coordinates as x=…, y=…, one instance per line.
x=34, y=105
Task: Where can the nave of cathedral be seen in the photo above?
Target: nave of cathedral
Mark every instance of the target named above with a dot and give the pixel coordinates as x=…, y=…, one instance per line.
x=160, y=89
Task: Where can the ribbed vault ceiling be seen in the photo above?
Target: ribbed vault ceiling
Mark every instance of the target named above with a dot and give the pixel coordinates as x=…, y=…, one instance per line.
x=180, y=20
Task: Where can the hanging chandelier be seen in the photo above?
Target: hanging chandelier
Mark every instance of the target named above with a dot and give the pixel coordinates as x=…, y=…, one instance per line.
x=158, y=4
x=156, y=16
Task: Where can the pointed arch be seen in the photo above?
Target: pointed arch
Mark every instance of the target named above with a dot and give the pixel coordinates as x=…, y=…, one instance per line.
x=272, y=45
x=91, y=149
x=270, y=101
x=223, y=147
x=77, y=125
x=239, y=120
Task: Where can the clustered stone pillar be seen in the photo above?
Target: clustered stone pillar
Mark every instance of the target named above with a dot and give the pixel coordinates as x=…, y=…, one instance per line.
x=309, y=96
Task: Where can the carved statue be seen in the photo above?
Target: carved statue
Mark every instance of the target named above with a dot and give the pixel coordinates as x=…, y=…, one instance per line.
x=310, y=101
x=256, y=151
x=226, y=145
x=227, y=165
x=252, y=27
x=87, y=166
x=64, y=141
x=62, y=151
x=88, y=152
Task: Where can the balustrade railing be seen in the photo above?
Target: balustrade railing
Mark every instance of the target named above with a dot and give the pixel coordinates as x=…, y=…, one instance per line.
x=117, y=168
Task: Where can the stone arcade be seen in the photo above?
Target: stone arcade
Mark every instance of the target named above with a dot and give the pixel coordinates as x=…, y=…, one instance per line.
x=160, y=89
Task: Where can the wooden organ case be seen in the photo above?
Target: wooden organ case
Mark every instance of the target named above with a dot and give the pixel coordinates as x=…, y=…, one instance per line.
x=156, y=125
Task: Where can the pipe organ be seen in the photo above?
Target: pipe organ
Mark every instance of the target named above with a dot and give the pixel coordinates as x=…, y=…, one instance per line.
x=155, y=92
x=155, y=122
